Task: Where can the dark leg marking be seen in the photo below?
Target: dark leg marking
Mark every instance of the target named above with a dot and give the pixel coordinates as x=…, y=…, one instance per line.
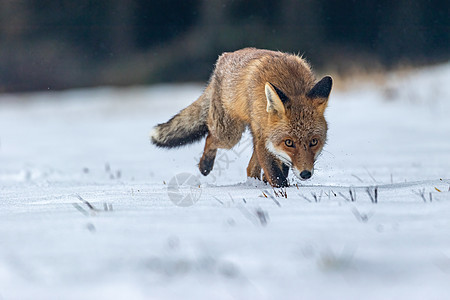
x=277, y=175
x=285, y=170
x=207, y=161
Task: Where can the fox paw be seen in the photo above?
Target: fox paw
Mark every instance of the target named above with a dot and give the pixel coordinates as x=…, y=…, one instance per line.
x=206, y=165
x=276, y=182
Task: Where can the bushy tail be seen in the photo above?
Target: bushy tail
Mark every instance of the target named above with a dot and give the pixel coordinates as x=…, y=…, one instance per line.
x=186, y=127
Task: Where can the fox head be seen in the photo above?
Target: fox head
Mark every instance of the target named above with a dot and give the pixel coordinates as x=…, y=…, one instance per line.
x=298, y=129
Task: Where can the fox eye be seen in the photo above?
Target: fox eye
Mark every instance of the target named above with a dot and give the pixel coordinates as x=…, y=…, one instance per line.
x=313, y=142
x=289, y=143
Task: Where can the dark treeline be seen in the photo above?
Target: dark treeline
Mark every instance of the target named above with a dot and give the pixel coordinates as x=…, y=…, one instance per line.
x=47, y=44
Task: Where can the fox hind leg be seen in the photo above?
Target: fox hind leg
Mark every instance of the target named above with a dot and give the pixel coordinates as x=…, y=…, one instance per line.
x=224, y=140
x=209, y=155
x=219, y=137
x=224, y=130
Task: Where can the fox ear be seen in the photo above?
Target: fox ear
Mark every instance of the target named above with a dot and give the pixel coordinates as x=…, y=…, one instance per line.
x=274, y=103
x=322, y=89
x=320, y=93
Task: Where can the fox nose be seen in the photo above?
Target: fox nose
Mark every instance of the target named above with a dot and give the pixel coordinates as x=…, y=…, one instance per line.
x=305, y=174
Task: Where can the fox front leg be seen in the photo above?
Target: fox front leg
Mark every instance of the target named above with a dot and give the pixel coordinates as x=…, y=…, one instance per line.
x=275, y=172
x=254, y=169
x=284, y=169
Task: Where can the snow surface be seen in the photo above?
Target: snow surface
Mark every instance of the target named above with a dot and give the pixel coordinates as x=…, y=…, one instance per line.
x=88, y=206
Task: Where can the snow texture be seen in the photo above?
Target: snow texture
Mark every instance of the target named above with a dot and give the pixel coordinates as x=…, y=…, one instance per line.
x=89, y=209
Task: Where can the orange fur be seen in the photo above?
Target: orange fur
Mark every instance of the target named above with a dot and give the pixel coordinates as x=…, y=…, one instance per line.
x=275, y=95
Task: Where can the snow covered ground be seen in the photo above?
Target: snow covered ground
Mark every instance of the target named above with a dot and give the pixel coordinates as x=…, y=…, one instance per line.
x=90, y=209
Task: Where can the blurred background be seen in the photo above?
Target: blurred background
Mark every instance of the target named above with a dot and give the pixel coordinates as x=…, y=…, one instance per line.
x=68, y=44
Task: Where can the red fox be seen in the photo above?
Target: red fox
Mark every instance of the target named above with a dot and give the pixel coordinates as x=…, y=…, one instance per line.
x=275, y=95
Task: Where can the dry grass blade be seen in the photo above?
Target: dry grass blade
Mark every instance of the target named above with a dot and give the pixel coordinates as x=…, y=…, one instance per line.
x=359, y=179
x=262, y=216
x=232, y=199
x=258, y=217
x=106, y=206
x=91, y=207
x=283, y=193
x=304, y=197
x=343, y=196
x=217, y=199
x=370, y=195
x=273, y=198
x=352, y=195
x=370, y=175
x=420, y=193
x=362, y=217
x=374, y=196
x=80, y=209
